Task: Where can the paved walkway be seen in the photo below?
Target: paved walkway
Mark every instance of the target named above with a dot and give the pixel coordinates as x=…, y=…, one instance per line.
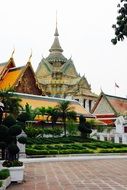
x=76, y=173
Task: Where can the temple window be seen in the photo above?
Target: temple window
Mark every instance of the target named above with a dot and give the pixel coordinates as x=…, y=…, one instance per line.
x=84, y=103
x=90, y=103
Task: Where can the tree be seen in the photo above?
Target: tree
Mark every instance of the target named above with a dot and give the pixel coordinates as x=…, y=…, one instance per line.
x=84, y=127
x=11, y=101
x=53, y=113
x=64, y=111
x=8, y=138
x=121, y=25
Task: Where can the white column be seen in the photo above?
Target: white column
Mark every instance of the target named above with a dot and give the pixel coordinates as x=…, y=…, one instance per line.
x=87, y=105
x=22, y=153
x=116, y=138
x=124, y=139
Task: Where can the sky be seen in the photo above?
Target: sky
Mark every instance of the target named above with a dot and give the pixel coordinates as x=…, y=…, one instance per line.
x=85, y=33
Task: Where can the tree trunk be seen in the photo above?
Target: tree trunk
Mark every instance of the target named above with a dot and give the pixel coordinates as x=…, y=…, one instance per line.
x=64, y=123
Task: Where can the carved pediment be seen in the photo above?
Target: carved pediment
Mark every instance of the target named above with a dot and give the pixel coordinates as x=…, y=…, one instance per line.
x=69, y=68
x=27, y=83
x=43, y=69
x=84, y=83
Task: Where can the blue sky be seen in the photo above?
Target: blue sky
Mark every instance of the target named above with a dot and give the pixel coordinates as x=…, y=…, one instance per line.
x=85, y=30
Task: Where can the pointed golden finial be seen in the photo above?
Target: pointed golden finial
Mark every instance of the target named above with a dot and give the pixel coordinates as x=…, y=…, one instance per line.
x=56, y=30
x=13, y=53
x=29, y=60
x=56, y=18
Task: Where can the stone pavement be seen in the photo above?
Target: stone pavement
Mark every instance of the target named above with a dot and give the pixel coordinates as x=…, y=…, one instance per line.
x=76, y=173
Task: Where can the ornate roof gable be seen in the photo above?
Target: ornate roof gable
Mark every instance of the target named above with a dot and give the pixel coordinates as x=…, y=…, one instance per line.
x=44, y=68
x=69, y=69
x=110, y=104
x=4, y=67
x=84, y=83
x=27, y=82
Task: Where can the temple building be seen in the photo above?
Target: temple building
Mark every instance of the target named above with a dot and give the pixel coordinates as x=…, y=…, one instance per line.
x=108, y=108
x=58, y=77
x=20, y=79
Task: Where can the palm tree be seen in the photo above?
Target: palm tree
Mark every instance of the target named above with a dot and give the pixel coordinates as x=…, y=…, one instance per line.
x=41, y=111
x=65, y=111
x=11, y=101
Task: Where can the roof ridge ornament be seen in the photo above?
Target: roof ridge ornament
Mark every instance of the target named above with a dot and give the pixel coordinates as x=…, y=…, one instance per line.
x=29, y=60
x=12, y=53
x=56, y=30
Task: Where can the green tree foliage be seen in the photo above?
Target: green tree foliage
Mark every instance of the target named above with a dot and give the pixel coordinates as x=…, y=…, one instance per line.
x=84, y=127
x=65, y=111
x=9, y=120
x=8, y=138
x=121, y=24
x=72, y=128
x=11, y=101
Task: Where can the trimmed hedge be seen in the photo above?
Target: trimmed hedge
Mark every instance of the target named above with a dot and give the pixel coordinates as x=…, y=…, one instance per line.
x=71, y=145
x=52, y=152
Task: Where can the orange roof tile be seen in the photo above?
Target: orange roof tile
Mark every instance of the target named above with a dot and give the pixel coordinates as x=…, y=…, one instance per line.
x=10, y=78
x=118, y=103
x=43, y=101
x=2, y=65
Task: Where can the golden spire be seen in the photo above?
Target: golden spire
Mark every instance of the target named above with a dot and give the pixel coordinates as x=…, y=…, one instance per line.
x=29, y=60
x=56, y=30
x=13, y=53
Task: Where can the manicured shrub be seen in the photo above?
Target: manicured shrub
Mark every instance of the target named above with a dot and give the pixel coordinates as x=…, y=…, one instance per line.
x=36, y=152
x=33, y=131
x=53, y=152
x=15, y=130
x=22, y=140
x=23, y=117
x=1, y=183
x=84, y=127
x=12, y=163
x=4, y=173
x=72, y=128
x=9, y=121
x=13, y=148
x=3, y=132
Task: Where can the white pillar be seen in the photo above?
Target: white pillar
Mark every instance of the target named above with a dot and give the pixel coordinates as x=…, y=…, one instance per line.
x=116, y=138
x=87, y=105
x=124, y=138
x=22, y=152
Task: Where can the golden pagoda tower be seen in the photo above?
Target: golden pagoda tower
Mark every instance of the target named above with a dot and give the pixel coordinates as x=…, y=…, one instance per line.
x=58, y=77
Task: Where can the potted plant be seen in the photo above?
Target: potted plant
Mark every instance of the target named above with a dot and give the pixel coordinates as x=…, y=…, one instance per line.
x=1, y=186
x=5, y=178
x=8, y=137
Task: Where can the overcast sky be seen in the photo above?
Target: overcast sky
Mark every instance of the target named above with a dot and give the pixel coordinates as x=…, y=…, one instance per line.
x=85, y=29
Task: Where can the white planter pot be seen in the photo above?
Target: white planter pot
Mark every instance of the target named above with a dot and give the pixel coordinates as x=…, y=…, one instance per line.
x=2, y=188
x=17, y=173
x=6, y=182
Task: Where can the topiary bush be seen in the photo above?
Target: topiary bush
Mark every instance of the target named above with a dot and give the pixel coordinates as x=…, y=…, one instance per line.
x=22, y=140
x=84, y=127
x=1, y=183
x=33, y=131
x=4, y=173
x=8, y=138
x=9, y=121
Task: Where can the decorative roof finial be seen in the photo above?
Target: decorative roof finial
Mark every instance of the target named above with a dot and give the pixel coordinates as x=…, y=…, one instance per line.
x=13, y=53
x=56, y=30
x=29, y=60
